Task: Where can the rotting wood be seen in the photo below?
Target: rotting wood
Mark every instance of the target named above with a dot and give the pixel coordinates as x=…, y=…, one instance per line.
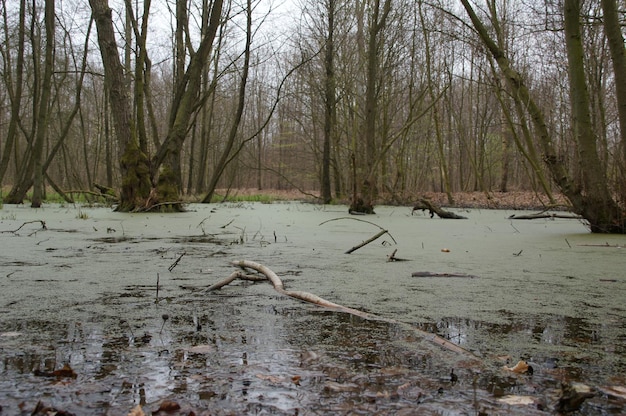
x=316, y=300
x=426, y=205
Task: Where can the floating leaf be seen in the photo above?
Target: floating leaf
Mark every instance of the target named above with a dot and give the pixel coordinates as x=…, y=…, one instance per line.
x=520, y=368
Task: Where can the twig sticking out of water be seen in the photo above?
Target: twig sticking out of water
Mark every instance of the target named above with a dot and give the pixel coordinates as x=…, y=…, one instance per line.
x=165, y=318
x=176, y=262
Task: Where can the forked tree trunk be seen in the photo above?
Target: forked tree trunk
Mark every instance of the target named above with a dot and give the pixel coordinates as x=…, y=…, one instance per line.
x=134, y=164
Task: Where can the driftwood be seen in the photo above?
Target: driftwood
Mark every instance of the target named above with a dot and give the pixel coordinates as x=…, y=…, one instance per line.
x=544, y=215
x=316, y=300
x=426, y=205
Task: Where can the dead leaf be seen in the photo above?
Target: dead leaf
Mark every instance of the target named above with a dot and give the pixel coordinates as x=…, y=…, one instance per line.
x=296, y=380
x=201, y=349
x=136, y=411
x=168, y=406
x=66, y=371
x=520, y=368
x=271, y=379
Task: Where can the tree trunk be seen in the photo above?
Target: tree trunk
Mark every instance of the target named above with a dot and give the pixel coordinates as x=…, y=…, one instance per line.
x=134, y=164
x=369, y=184
x=226, y=157
x=595, y=205
x=598, y=206
x=15, y=95
x=329, y=104
x=168, y=156
x=44, y=107
x=613, y=32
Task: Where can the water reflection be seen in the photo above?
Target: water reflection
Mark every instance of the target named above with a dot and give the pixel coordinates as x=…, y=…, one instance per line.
x=291, y=357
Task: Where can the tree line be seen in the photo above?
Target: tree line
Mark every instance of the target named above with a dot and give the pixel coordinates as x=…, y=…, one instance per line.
x=366, y=100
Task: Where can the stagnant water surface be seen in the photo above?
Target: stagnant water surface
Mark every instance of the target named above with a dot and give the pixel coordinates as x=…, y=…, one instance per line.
x=83, y=292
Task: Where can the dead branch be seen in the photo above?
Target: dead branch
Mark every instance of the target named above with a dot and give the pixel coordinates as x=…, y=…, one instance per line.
x=431, y=274
x=43, y=226
x=85, y=192
x=316, y=300
x=392, y=257
x=545, y=214
x=176, y=262
x=366, y=242
x=424, y=204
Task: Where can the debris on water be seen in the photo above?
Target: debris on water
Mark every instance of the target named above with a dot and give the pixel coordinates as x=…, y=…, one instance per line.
x=65, y=372
x=521, y=367
x=43, y=410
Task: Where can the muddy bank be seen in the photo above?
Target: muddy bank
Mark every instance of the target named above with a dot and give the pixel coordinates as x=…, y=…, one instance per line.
x=83, y=291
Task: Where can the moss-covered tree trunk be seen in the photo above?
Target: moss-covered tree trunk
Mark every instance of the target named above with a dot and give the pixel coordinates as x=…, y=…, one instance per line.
x=364, y=203
x=135, y=168
x=168, y=157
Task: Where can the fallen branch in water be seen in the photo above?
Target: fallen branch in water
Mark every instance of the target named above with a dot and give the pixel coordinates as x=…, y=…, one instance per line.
x=431, y=274
x=544, y=214
x=426, y=205
x=316, y=300
x=42, y=222
x=366, y=242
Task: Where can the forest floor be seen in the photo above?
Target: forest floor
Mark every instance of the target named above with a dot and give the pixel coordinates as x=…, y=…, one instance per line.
x=522, y=200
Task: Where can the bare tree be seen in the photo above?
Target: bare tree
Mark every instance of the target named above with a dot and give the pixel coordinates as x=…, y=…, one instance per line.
x=593, y=201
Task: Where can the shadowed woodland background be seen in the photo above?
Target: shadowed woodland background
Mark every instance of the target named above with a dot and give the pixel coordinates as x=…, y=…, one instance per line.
x=371, y=100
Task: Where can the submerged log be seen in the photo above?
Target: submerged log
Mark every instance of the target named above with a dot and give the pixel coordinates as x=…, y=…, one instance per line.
x=426, y=205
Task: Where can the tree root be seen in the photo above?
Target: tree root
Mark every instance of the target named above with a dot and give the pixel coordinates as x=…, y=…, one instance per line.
x=268, y=274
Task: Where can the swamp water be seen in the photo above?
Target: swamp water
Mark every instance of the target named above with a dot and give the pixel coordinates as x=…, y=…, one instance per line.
x=83, y=292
